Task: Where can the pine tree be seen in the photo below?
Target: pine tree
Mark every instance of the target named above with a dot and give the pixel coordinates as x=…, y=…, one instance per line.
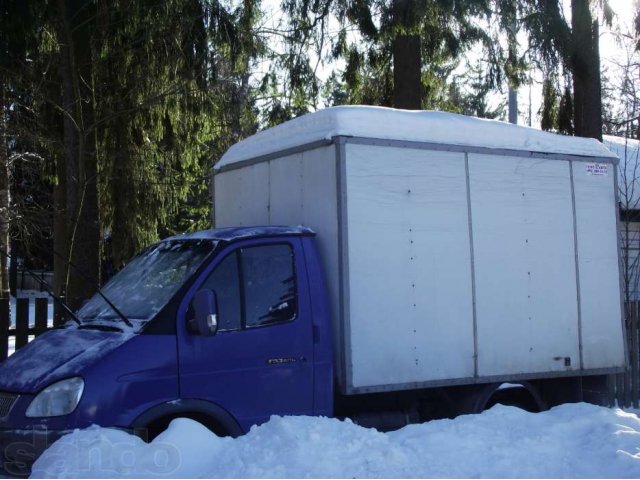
x=404, y=51
x=134, y=102
x=18, y=38
x=569, y=53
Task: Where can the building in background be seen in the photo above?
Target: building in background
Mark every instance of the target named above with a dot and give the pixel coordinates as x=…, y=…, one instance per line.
x=628, y=150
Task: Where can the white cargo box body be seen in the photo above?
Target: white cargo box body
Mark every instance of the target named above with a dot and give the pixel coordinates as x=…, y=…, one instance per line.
x=457, y=250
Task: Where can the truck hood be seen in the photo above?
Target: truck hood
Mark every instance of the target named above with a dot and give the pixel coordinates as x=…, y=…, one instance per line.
x=55, y=355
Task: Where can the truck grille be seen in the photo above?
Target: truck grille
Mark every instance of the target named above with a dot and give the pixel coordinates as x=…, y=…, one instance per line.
x=6, y=402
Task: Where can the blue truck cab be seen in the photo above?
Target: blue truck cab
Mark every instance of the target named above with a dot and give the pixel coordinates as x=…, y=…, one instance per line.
x=227, y=327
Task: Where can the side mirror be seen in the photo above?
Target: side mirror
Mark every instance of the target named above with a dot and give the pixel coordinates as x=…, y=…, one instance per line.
x=205, y=314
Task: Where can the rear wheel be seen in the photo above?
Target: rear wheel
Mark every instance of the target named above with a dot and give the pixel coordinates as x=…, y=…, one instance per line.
x=515, y=396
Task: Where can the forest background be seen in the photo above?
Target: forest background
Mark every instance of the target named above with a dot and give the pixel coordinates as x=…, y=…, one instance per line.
x=113, y=112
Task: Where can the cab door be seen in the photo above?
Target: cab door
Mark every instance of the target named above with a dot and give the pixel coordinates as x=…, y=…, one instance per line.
x=260, y=362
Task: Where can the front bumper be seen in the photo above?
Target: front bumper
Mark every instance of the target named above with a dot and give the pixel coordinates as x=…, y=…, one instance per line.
x=19, y=449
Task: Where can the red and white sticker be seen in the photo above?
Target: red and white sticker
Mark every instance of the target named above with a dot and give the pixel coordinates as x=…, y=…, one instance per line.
x=597, y=169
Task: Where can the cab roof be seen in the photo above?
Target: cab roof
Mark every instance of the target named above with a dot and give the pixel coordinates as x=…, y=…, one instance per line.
x=236, y=233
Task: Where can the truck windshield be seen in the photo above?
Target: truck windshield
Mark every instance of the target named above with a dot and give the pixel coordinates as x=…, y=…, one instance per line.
x=147, y=282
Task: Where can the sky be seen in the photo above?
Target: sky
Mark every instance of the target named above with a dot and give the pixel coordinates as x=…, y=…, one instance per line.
x=624, y=20
x=609, y=49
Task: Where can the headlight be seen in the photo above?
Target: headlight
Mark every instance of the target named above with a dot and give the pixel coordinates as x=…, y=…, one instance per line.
x=60, y=398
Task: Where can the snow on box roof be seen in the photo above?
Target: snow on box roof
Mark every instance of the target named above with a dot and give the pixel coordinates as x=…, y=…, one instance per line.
x=421, y=126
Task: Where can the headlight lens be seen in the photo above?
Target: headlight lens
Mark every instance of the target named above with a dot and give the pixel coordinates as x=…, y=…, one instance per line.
x=60, y=398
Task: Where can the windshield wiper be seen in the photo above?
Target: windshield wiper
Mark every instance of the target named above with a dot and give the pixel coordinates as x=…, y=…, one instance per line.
x=44, y=285
x=99, y=291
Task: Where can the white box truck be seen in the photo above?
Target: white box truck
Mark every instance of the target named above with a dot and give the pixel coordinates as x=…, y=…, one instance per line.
x=386, y=266
x=457, y=251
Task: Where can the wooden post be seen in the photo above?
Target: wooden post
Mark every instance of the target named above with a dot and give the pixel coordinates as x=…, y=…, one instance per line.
x=41, y=316
x=22, y=322
x=620, y=389
x=611, y=390
x=59, y=314
x=5, y=311
x=634, y=354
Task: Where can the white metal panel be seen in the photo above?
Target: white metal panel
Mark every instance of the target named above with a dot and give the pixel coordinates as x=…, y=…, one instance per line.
x=303, y=191
x=226, y=207
x=526, y=293
x=242, y=196
x=285, y=190
x=410, y=293
x=602, y=335
x=320, y=212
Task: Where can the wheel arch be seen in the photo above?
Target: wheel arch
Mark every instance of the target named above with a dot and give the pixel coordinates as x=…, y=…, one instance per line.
x=213, y=416
x=521, y=394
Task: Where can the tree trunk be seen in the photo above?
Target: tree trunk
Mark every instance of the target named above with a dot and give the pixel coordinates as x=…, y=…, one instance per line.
x=65, y=195
x=79, y=203
x=407, y=61
x=407, y=84
x=5, y=198
x=585, y=66
x=60, y=243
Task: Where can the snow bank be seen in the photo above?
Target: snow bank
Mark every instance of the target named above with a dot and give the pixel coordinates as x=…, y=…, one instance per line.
x=421, y=126
x=578, y=440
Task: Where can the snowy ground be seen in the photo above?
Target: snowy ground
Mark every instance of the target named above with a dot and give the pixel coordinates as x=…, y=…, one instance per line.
x=578, y=440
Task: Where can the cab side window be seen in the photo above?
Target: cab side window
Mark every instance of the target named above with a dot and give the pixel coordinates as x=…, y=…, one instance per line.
x=255, y=287
x=269, y=285
x=224, y=280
